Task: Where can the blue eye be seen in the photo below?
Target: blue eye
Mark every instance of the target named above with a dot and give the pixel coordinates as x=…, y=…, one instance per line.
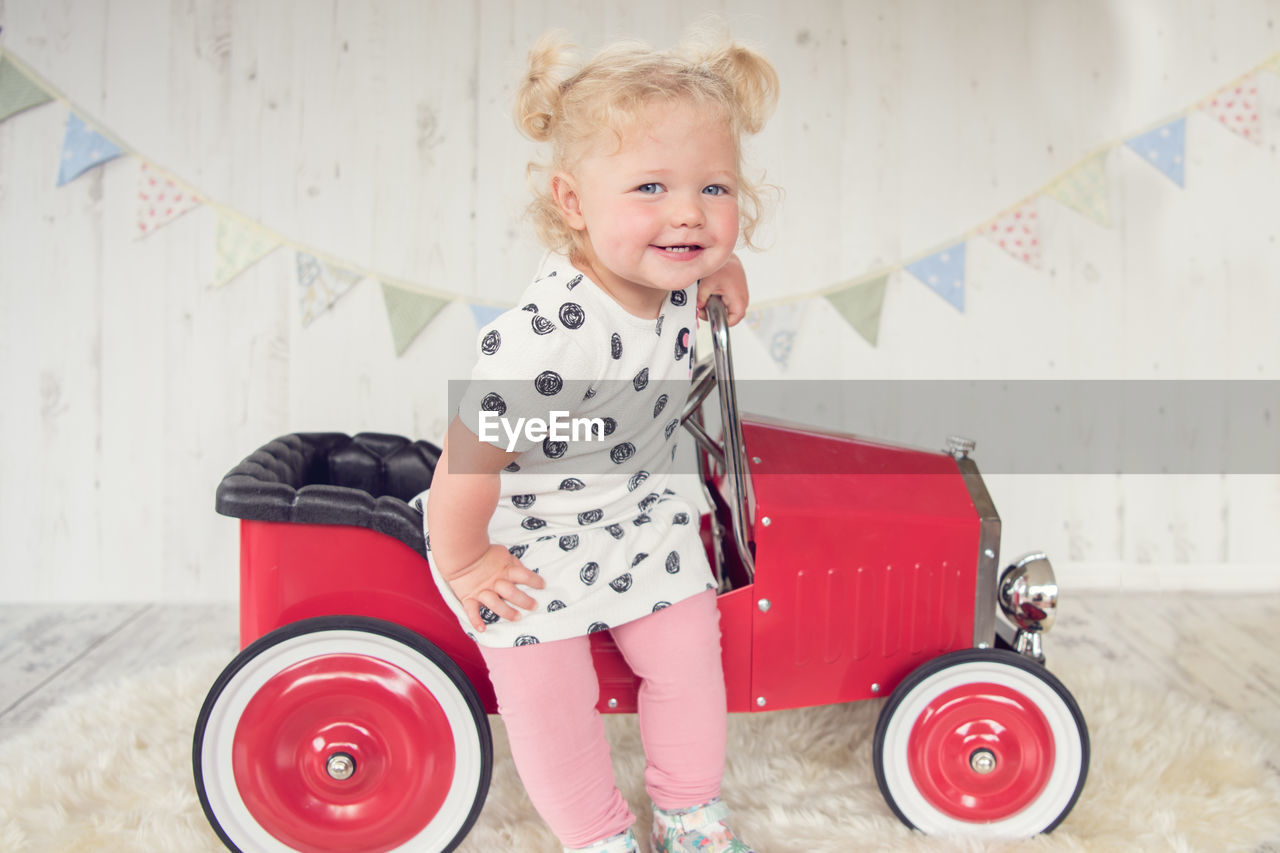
x=649, y=189
x=716, y=189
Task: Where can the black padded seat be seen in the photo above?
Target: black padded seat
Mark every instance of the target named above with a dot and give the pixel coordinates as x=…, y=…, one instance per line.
x=332, y=478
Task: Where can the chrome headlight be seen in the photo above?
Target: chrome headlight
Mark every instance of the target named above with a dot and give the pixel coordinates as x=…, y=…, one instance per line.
x=1028, y=593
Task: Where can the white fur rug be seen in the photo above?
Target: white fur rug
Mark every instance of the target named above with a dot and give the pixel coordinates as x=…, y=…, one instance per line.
x=110, y=771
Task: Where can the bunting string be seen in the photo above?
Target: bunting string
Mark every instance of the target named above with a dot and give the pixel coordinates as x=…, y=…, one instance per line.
x=323, y=279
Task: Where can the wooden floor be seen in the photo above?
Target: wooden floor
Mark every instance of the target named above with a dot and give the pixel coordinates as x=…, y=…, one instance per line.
x=1219, y=648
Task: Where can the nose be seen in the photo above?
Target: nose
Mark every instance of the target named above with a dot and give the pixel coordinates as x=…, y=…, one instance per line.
x=686, y=210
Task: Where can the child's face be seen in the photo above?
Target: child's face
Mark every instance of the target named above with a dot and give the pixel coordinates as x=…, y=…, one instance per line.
x=660, y=211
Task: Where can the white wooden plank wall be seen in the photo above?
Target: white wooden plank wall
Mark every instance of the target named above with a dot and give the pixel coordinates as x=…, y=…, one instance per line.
x=378, y=132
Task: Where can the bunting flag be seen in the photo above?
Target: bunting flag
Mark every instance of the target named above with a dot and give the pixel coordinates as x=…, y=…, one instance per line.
x=17, y=92
x=240, y=246
x=1085, y=190
x=409, y=312
x=241, y=242
x=861, y=305
x=484, y=314
x=1236, y=107
x=943, y=273
x=777, y=328
x=321, y=285
x=1018, y=233
x=82, y=149
x=160, y=200
x=1165, y=148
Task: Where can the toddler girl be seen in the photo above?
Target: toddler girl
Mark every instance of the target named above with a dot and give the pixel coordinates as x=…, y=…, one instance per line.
x=540, y=537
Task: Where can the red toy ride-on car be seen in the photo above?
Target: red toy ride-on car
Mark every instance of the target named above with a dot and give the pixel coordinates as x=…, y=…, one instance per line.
x=354, y=718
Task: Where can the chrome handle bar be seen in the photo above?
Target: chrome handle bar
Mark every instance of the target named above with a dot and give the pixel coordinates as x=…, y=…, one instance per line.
x=731, y=456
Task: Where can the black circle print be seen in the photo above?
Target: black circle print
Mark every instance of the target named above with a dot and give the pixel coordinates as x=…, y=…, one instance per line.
x=673, y=563
x=636, y=479
x=647, y=503
x=492, y=402
x=661, y=605
x=513, y=468
x=572, y=484
x=531, y=308
x=572, y=316
x=517, y=551
x=491, y=342
x=526, y=640
x=615, y=346
x=682, y=344
x=622, y=452
x=678, y=297
x=660, y=405
x=573, y=282
x=591, y=516
x=523, y=501
x=487, y=616
x=554, y=449
x=641, y=519
x=588, y=573
x=615, y=530
x=597, y=627
x=609, y=426
x=641, y=380
x=636, y=560
x=670, y=428
x=532, y=523
x=621, y=583
x=680, y=518
x=548, y=383
x=658, y=326
x=556, y=605
x=568, y=543
x=541, y=325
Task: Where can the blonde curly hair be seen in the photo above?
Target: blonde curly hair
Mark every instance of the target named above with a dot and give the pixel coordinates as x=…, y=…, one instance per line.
x=566, y=104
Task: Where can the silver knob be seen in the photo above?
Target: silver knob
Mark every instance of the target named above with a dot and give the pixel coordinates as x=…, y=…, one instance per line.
x=959, y=446
x=340, y=766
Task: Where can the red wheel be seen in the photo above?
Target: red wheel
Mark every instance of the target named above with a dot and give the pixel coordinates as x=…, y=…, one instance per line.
x=342, y=734
x=981, y=743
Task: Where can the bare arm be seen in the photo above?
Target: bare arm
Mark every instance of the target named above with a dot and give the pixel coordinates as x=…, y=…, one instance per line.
x=730, y=283
x=464, y=493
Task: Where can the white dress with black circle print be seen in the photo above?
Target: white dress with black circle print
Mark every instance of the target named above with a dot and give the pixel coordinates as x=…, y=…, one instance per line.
x=588, y=503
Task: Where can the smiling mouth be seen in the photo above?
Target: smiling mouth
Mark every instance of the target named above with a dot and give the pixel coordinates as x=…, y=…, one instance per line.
x=678, y=250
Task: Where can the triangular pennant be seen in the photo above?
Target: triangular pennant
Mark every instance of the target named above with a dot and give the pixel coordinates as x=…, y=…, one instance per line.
x=17, y=91
x=82, y=149
x=240, y=246
x=1165, y=148
x=484, y=314
x=409, y=313
x=860, y=305
x=1084, y=189
x=777, y=328
x=1018, y=233
x=943, y=273
x=1237, y=108
x=160, y=200
x=321, y=285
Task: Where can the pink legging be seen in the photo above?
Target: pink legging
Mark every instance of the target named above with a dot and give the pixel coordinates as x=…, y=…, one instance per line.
x=547, y=696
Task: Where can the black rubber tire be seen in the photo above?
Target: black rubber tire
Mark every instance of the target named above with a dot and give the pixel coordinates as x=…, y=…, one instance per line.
x=413, y=642
x=1068, y=713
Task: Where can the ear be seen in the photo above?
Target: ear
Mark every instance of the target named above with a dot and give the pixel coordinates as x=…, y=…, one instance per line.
x=564, y=191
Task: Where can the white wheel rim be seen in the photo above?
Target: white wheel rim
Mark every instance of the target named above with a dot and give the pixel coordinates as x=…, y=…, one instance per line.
x=1038, y=815
x=216, y=758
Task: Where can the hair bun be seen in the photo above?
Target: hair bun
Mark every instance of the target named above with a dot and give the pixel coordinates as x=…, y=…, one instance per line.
x=537, y=100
